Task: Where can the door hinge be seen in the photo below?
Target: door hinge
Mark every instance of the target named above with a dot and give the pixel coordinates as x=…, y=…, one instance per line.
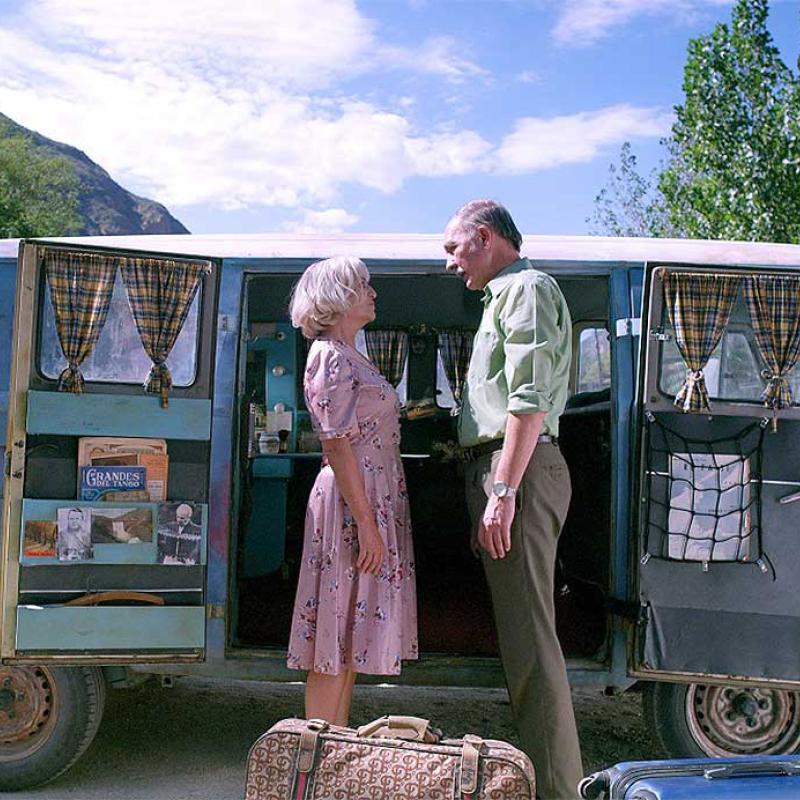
x=658, y=335
x=629, y=326
x=215, y=610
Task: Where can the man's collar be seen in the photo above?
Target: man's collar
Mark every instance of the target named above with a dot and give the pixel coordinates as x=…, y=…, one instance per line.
x=497, y=283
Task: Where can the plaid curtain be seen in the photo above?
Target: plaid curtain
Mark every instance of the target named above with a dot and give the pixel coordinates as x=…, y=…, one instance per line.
x=699, y=306
x=455, y=348
x=774, y=306
x=81, y=285
x=160, y=293
x=388, y=351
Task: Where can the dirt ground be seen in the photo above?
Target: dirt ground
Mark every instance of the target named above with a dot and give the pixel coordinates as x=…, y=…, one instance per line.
x=190, y=742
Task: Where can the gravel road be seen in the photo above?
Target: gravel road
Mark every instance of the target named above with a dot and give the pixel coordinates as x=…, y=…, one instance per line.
x=190, y=742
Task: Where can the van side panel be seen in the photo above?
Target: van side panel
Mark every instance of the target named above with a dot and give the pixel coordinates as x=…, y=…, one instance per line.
x=224, y=416
x=8, y=282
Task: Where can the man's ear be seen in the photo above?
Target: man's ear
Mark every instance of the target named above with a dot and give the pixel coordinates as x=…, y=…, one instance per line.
x=484, y=236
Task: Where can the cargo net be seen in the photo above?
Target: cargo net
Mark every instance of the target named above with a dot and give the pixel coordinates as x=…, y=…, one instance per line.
x=704, y=497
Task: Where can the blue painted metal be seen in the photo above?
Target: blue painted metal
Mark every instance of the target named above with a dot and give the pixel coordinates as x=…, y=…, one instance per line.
x=8, y=284
x=623, y=353
x=108, y=628
x=226, y=394
x=118, y=415
x=144, y=553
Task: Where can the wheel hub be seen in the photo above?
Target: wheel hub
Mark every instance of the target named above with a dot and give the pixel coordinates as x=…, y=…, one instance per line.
x=26, y=703
x=727, y=720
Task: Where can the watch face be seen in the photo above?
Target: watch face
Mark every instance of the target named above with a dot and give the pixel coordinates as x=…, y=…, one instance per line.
x=500, y=489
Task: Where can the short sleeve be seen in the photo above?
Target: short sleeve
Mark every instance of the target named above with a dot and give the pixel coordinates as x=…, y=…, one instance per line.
x=331, y=390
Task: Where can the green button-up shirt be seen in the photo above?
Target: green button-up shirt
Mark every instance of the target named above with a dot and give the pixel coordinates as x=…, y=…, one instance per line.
x=520, y=356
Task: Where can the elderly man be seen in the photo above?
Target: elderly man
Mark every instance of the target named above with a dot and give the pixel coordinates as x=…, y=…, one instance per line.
x=179, y=541
x=518, y=485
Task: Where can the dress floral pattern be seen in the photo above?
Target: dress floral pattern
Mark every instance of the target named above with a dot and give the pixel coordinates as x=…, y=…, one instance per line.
x=343, y=618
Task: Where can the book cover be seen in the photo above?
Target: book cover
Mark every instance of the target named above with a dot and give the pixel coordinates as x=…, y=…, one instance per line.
x=142, y=496
x=121, y=525
x=156, y=464
x=40, y=538
x=92, y=448
x=74, y=538
x=96, y=481
x=179, y=533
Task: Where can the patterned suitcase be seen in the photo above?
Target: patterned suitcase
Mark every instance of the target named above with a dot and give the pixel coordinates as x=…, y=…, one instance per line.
x=741, y=778
x=392, y=758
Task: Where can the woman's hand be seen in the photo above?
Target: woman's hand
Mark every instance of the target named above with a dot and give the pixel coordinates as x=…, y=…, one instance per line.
x=370, y=549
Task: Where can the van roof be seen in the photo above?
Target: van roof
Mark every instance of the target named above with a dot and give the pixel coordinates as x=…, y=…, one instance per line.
x=428, y=247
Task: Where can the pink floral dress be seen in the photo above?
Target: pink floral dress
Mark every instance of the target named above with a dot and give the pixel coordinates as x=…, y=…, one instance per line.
x=343, y=618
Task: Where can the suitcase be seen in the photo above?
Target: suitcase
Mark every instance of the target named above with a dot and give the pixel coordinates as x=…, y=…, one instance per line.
x=740, y=778
x=392, y=758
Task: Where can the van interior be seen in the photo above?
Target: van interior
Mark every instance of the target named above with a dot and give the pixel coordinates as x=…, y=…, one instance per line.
x=455, y=616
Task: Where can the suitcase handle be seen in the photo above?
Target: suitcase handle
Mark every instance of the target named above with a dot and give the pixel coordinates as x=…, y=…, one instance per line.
x=752, y=770
x=414, y=728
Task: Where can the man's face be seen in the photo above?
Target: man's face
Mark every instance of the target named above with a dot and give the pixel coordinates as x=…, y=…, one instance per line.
x=74, y=520
x=467, y=254
x=183, y=515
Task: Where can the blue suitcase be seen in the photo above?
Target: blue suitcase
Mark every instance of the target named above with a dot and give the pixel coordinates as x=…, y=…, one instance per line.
x=742, y=778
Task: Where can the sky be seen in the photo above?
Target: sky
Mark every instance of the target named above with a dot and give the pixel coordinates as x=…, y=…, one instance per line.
x=357, y=115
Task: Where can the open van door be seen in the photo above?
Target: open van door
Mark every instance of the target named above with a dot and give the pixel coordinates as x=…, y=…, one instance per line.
x=718, y=555
x=85, y=582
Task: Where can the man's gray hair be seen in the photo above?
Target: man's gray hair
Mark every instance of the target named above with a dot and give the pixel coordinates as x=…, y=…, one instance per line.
x=494, y=216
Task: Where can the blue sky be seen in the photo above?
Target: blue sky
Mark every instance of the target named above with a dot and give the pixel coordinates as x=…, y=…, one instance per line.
x=337, y=115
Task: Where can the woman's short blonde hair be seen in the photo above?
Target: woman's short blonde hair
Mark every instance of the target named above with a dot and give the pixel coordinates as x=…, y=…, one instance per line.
x=326, y=290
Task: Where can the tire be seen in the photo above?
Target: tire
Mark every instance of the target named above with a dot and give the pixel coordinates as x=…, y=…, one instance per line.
x=694, y=719
x=48, y=717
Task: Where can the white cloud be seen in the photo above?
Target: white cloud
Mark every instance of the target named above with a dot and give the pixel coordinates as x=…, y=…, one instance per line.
x=331, y=220
x=586, y=21
x=529, y=76
x=542, y=143
x=199, y=101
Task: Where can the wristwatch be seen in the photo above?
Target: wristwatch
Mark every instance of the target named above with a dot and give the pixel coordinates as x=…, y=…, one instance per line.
x=502, y=489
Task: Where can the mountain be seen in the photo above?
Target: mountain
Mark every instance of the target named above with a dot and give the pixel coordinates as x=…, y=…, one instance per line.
x=104, y=206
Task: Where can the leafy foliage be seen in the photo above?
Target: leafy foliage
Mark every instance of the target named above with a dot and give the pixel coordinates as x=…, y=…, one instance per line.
x=733, y=166
x=630, y=204
x=38, y=192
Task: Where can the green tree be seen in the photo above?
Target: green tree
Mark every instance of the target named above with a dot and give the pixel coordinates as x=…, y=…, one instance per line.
x=630, y=204
x=733, y=156
x=38, y=192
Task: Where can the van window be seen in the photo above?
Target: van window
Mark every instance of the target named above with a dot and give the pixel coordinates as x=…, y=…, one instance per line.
x=733, y=372
x=119, y=356
x=594, y=360
x=444, y=394
x=402, y=387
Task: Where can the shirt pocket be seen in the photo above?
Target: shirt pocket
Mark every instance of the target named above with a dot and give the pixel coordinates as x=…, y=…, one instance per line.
x=484, y=345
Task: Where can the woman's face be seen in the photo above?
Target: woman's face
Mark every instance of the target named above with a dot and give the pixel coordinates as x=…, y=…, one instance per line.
x=363, y=310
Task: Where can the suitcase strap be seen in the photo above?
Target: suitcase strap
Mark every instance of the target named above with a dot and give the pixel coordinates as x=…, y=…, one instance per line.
x=468, y=773
x=306, y=752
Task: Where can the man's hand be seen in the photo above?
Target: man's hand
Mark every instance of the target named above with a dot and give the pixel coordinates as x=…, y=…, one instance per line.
x=494, y=533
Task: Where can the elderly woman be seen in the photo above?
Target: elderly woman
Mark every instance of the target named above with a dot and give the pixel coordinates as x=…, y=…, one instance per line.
x=355, y=608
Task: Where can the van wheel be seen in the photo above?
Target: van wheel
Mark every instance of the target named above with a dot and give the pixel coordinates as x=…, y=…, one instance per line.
x=695, y=719
x=48, y=717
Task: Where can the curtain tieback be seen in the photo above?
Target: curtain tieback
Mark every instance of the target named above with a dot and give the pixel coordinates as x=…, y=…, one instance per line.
x=693, y=395
x=71, y=379
x=778, y=392
x=159, y=381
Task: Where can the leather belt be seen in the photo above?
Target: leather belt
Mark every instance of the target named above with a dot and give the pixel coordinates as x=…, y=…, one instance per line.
x=485, y=448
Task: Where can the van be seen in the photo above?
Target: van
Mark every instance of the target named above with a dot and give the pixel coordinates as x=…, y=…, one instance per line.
x=677, y=568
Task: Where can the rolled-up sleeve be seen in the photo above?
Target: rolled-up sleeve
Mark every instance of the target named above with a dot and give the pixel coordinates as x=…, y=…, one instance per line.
x=530, y=322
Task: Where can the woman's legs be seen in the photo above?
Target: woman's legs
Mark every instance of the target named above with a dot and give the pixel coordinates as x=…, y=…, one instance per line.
x=328, y=696
x=345, y=699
